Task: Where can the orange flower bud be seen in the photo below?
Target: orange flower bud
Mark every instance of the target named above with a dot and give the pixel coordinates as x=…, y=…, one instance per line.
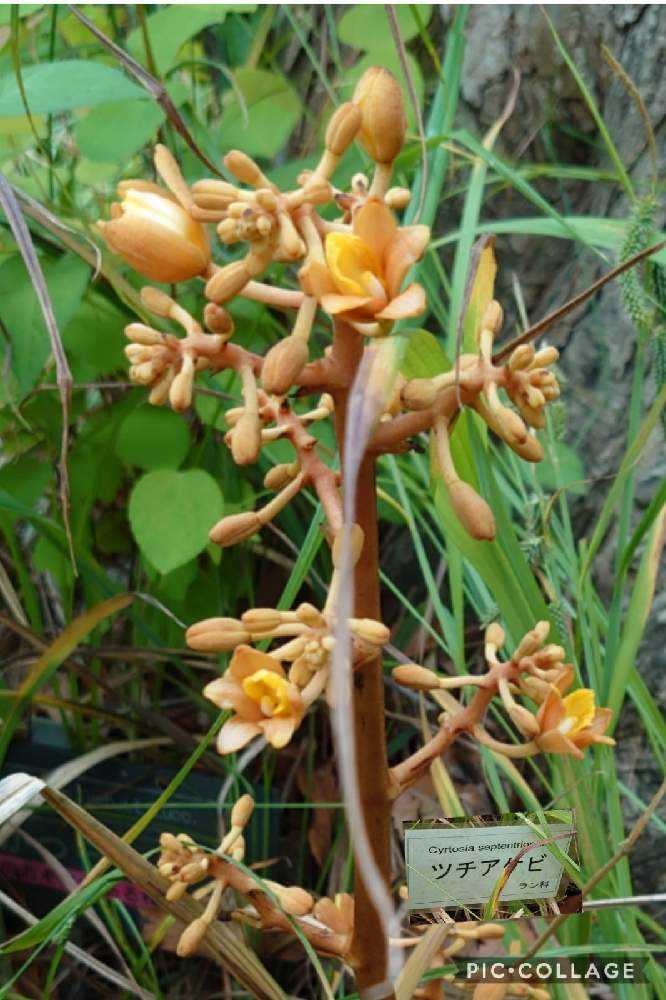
x=493, y=316
x=283, y=364
x=157, y=237
x=227, y=282
x=472, y=510
x=413, y=676
x=342, y=128
x=242, y=810
x=235, y=528
x=278, y=477
x=246, y=439
x=192, y=937
x=495, y=635
x=262, y=619
x=384, y=121
x=216, y=635
x=376, y=633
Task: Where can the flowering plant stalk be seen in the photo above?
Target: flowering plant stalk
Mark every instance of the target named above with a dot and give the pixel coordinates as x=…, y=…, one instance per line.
x=353, y=263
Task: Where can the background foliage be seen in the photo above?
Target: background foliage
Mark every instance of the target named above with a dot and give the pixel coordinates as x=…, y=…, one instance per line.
x=146, y=484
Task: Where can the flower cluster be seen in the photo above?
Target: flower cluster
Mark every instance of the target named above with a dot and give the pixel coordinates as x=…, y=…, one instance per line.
x=535, y=672
x=267, y=699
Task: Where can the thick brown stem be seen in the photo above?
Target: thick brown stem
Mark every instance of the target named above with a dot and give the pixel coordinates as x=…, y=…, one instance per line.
x=369, y=951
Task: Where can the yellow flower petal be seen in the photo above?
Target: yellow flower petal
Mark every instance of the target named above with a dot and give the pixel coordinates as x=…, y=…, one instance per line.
x=579, y=711
x=266, y=684
x=349, y=259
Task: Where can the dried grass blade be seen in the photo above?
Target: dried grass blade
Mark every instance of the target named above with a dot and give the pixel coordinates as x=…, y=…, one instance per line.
x=18, y=226
x=220, y=943
x=419, y=961
x=53, y=656
x=149, y=83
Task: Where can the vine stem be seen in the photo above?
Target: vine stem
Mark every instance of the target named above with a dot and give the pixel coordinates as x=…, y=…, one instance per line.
x=369, y=950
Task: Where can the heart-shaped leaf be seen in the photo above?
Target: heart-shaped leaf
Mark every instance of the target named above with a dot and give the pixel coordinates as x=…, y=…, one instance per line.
x=171, y=514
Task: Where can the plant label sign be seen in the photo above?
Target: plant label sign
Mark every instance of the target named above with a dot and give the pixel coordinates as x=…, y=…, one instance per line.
x=452, y=866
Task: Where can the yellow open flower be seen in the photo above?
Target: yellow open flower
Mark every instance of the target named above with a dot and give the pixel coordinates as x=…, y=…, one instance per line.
x=569, y=725
x=265, y=702
x=155, y=235
x=365, y=268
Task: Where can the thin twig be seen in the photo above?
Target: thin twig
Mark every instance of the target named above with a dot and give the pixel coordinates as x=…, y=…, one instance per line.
x=577, y=300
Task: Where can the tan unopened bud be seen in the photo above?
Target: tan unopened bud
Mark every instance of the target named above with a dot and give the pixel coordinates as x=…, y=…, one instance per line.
x=180, y=390
x=136, y=354
x=241, y=812
x=342, y=128
x=419, y=394
x=278, y=477
x=511, y=426
x=157, y=301
x=493, y=316
x=143, y=373
x=244, y=168
x=283, y=364
x=357, y=540
x=192, y=937
x=168, y=842
x=310, y=616
x=398, y=198
x=376, y=633
x=521, y=357
x=176, y=891
x=293, y=900
x=218, y=320
x=532, y=640
x=411, y=675
x=160, y=391
x=485, y=932
x=246, y=439
x=139, y=333
x=530, y=449
x=262, y=619
x=235, y=528
x=524, y=720
x=472, y=510
x=490, y=991
x=495, y=635
x=228, y=281
x=383, y=122
x=216, y=635
x=545, y=357
x=550, y=654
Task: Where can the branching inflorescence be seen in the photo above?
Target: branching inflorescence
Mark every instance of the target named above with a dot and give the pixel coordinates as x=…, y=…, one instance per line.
x=353, y=268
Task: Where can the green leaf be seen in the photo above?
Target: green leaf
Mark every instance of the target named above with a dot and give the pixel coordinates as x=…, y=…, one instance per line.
x=171, y=514
x=424, y=356
x=115, y=131
x=66, y=280
x=273, y=108
x=64, y=85
x=151, y=438
x=26, y=479
x=93, y=339
x=170, y=28
x=363, y=25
